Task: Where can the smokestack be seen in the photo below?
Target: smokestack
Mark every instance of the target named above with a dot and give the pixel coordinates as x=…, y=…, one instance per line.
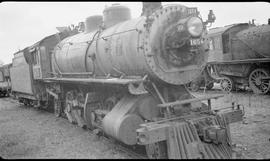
x=149, y=8
x=268, y=21
x=253, y=20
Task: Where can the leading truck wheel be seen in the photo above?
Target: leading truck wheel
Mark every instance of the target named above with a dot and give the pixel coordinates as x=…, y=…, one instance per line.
x=256, y=83
x=226, y=84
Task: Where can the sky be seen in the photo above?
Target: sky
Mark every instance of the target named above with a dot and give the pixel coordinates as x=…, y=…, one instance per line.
x=24, y=23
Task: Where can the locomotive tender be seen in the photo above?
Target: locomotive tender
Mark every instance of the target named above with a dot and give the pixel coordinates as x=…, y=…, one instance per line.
x=126, y=78
x=239, y=55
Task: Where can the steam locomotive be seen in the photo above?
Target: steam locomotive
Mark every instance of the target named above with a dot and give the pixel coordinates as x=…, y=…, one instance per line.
x=125, y=78
x=239, y=56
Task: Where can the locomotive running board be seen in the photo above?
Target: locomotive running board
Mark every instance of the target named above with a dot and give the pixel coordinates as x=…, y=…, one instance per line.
x=95, y=80
x=135, y=86
x=262, y=60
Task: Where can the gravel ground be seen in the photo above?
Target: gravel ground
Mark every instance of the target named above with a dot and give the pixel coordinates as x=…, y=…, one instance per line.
x=31, y=133
x=252, y=135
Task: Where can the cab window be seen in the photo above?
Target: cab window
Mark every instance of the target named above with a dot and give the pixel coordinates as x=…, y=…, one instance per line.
x=211, y=45
x=217, y=43
x=1, y=76
x=225, y=41
x=36, y=57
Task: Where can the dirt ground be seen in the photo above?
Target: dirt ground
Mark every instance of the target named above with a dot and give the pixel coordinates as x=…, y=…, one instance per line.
x=31, y=133
x=252, y=135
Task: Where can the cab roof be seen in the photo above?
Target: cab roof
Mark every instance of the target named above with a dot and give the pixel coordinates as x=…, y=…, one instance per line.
x=220, y=30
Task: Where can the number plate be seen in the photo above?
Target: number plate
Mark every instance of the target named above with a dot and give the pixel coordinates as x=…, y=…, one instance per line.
x=196, y=42
x=192, y=10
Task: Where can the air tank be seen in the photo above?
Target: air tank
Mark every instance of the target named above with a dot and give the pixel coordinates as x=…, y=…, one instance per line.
x=152, y=46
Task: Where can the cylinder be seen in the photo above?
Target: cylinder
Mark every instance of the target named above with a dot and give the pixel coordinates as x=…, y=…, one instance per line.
x=148, y=109
x=125, y=128
x=122, y=121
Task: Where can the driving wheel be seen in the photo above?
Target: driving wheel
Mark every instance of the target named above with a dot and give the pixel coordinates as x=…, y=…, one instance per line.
x=256, y=83
x=226, y=84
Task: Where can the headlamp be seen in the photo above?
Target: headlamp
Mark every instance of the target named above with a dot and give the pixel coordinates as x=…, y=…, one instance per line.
x=195, y=26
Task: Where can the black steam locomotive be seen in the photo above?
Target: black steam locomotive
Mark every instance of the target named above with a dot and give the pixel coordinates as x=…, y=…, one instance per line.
x=125, y=77
x=239, y=56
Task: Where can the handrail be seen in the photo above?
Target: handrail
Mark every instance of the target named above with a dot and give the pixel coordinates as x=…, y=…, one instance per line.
x=190, y=100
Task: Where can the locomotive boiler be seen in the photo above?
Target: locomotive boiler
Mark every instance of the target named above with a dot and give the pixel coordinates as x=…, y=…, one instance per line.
x=157, y=46
x=125, y=78
x=240, y=55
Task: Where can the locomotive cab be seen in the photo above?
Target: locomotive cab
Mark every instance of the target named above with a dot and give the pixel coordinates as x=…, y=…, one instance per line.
x=220, y=40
